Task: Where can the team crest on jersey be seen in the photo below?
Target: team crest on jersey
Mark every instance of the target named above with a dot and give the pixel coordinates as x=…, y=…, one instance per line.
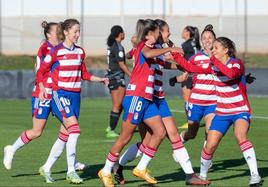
x=67, y=110
x=48, y=58
x=229, y=65
x=121, y=54
x=136, y=115
x=189, y=113
x=40, y=110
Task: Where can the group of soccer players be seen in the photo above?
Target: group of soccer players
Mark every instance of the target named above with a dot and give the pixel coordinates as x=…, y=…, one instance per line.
x=218, y=94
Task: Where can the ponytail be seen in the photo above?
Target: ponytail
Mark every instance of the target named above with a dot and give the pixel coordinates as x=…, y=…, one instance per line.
x=47, y=27
x=196, y=38
x=115, y=31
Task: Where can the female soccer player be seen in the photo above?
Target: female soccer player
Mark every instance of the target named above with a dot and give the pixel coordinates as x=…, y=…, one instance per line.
x=116, y=74
x=180, y=154
x=138, y=106
x=202, y=99
x=66, y=63
x=42, y=109
x=232, y=107
x=190, y=47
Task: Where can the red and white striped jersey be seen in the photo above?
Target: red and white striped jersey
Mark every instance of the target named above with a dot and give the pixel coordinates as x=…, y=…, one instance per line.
x=42, y=52
x=141, y=81
x=230, y=87
x=204, y=89
x=67, y=67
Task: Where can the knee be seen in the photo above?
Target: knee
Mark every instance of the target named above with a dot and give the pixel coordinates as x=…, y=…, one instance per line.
x=161, y=133
x=36, y=133
x=210, y=148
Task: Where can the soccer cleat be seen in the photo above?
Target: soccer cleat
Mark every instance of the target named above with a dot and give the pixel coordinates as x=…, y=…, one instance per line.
x=111, y=133
x=106, y=180
x=46, y=175
x=118, y=174
x=255, y=181
x=184, y=126
x=73, y=178
x=78, y=166
x=145, y=175
x=8, y=156
x=193, y=179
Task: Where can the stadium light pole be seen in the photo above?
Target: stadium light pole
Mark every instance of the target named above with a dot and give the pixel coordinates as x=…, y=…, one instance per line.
x=220, y=16
x=122, y=13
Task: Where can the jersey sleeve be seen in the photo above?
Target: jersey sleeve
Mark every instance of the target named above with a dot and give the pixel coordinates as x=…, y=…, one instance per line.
x=45, y=66
x=85, y=74
x=131, y=52
x=119, y=53
x=189, y=67
x=235, y=71
x=39, y=57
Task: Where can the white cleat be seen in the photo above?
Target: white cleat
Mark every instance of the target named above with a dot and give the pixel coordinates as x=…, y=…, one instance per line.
x=8, y=156
x=255, y=180
x=78, y=166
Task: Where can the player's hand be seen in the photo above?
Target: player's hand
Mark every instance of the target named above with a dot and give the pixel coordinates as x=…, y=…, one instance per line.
x=105, y=81
x=168, y=57
x=176, y=50
x=250, y=79
x=42, y=93
x=172, y=81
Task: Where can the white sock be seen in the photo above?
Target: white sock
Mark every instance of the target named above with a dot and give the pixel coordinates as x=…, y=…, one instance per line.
x=110, y=162
x=250, y=157
x=145, y=159
x=54, y=154
x=206, y=160
x=181, y=156
x=18, y=144
x=129, y=155
x=71, y=151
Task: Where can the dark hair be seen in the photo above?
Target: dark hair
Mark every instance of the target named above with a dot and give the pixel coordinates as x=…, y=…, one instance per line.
x=229, y=44
x=139, y=29
x=47, y=27
x=149, y=25
x=66, y=25
x=194, y=35
x=115, y=31
x=161, y=23
x=209, y=28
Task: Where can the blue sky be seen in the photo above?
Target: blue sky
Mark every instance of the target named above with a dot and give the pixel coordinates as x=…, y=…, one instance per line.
x=112, y=7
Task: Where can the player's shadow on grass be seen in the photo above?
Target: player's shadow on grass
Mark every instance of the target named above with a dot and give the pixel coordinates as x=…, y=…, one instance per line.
x=91, y=172
x=25, y=174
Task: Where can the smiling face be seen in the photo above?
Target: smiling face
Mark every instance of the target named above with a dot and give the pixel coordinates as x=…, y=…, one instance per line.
x=72, y=34
x=207, y=40
x=219, y=51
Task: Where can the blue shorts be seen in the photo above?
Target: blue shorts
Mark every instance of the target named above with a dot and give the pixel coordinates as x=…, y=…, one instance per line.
x=222, y=123
x=65, y=104
x=162, y=106
x=138, y=109
x=197, y=112
x=40, y=110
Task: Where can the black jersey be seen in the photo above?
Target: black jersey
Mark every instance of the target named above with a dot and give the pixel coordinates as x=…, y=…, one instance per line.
x=115, y=54
x=189, y=48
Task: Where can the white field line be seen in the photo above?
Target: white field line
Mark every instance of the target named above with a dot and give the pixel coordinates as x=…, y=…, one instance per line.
x=256, y=117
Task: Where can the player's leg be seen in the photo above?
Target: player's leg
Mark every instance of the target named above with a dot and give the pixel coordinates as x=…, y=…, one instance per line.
x=241, y=127
x=134, y=151
x=153, y=120
x=66, y=106
x=219, y=126
x=117, y=98
x=40, y=112
x=127, y=130
x=133, y=114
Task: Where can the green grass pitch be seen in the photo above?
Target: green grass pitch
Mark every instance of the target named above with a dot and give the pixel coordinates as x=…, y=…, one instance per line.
x=229, y=167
